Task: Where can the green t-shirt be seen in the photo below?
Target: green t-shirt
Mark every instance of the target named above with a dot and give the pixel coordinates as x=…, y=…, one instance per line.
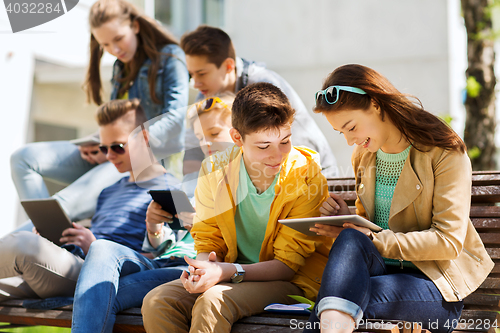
x=184, y=247
x=252, y=215
x=388, y=170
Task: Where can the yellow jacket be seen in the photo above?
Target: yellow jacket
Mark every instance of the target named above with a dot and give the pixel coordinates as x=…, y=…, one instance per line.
x=429, y=221
x=299, y=192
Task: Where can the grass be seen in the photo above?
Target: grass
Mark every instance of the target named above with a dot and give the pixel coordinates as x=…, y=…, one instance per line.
x=35, y=329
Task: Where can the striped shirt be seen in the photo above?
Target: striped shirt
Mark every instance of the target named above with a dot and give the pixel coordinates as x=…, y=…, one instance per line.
x=121, y=210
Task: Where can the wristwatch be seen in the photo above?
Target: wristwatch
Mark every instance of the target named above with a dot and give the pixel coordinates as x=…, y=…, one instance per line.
x=239, y=275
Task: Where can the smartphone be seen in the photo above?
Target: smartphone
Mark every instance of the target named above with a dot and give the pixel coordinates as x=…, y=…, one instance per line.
x=173, y=202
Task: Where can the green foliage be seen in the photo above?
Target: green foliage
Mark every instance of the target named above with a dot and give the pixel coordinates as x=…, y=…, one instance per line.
x=474, y=152
x=473, y=87
x=447, y=119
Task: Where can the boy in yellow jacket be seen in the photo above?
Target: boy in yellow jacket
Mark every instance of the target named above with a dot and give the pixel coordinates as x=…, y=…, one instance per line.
x=246, y=258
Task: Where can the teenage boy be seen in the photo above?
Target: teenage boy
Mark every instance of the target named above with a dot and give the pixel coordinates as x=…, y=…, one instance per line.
x=33, y=267
x=246, y=258
x=212, y=63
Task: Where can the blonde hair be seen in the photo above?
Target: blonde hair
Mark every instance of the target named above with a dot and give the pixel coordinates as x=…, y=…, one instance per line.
x=194, y=112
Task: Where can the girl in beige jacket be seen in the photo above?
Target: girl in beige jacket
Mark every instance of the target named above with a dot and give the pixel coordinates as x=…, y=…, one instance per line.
x=413, y=179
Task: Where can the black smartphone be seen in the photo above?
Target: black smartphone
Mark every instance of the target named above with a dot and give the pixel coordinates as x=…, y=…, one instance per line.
x=173, y=202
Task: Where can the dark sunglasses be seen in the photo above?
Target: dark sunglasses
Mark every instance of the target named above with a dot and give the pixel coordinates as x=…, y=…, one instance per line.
x=332, y=93
x=118, y=148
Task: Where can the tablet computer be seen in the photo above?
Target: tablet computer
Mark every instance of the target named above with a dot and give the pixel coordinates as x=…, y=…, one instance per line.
x=304, y=224
x=173, y=202
x=48, y=217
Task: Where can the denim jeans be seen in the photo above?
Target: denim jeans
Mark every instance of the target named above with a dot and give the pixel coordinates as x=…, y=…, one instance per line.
x=61, y=162
x=356, y=281
x=114, y=278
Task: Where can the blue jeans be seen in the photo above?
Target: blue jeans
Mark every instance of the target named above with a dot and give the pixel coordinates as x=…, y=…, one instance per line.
x=61, y=162
x=114, y=278
x=356, y=281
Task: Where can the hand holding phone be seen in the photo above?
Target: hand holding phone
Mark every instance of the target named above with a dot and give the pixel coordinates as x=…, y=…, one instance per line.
x=173, y=202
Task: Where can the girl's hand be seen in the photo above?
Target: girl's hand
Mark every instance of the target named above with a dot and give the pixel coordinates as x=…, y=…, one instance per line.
x=92, y=154
x=364, y=230
x=187, y=219
x=334, y=205
x=155, y=214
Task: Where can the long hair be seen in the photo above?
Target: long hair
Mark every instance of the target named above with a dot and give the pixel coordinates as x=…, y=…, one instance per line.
x=151, y=38
x=404, y=111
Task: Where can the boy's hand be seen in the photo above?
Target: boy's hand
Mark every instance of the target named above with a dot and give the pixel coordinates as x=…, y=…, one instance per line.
x=155, y=214
x=326, y=230
x=79, y=236
x=187, y=219
x=92, y=154
x=334, y=205
x=205, y=274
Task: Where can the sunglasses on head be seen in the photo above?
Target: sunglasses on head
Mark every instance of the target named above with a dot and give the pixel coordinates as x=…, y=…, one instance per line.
x=332, y=93
x=118, y=148
x=208, y=104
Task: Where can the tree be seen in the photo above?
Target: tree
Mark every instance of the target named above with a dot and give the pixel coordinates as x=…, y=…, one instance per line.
x=479, y=135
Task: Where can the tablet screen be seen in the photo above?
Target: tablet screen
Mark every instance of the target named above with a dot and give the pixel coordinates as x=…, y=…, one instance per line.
x=48, y=217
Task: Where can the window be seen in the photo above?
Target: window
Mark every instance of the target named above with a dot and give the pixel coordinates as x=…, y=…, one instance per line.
x=180, y=16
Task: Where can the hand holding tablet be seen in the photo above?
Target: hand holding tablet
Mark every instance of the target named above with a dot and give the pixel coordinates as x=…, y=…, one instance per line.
x=302, y=225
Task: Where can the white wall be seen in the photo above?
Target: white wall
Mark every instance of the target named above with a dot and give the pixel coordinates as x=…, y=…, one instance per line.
x=63, y=40
x=412, y=42
x=407, y=41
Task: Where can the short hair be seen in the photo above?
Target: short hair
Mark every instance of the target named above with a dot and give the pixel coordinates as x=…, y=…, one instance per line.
x=194, y=112
x=210, y=42
x=113, y=110
x=259, y=107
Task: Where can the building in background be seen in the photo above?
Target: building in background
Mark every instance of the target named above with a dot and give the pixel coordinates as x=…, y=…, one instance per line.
x=418, y=44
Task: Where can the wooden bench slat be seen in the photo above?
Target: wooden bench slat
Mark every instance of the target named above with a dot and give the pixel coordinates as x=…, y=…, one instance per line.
x=60, y=318
x=491, y=282
x=484, y=211
x=487, y=224
x=490, y=300
x=490, y=238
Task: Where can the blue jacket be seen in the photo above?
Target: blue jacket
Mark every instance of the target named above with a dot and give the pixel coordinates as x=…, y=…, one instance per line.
x=166, y=120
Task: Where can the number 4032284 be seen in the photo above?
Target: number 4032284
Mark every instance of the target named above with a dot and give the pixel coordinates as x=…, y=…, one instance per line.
x=471, y=324
x=33, y=8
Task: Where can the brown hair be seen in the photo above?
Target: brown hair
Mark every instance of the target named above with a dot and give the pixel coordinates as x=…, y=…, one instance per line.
x=404, y=111
x=151, y=38
x=210, y=42
x=111, y=111
x=260, y=106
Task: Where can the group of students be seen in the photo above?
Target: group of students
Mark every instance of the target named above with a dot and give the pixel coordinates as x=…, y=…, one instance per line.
x=413, y=179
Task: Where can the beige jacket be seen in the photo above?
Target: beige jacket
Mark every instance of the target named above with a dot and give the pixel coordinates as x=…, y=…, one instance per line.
x=429, y=221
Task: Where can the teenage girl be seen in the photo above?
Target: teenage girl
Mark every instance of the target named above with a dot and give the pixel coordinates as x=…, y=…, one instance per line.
x=149, y=66
x=413, y=179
